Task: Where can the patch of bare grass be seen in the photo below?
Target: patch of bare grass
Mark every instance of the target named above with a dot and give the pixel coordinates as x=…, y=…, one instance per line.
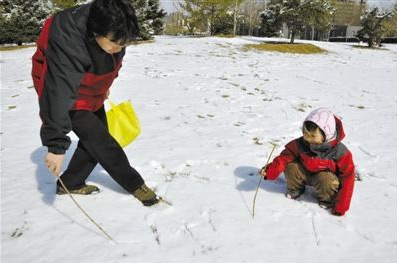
x=14, y=47
x=296, y=48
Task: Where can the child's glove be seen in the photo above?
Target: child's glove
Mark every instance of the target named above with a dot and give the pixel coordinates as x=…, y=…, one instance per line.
x=263, y=171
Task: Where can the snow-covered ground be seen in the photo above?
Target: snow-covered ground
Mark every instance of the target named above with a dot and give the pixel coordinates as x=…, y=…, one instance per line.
x=210, y=112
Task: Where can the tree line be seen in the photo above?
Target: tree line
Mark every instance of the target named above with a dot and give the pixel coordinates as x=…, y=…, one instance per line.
x=267, y=17
x=21, y=20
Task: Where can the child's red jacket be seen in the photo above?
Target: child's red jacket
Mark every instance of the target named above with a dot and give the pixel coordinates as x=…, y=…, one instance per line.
x=331, y=156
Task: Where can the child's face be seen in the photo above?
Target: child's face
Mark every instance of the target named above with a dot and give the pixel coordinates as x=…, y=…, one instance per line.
x=108, y=46
x=313, y=138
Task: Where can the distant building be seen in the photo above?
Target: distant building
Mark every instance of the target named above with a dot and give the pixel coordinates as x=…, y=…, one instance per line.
x=347, y=17
x=346, y=21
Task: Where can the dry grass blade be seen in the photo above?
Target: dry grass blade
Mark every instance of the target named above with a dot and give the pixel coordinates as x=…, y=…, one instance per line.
x=259, y=183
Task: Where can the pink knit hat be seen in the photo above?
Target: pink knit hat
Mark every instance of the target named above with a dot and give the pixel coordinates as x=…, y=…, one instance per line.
x=324, y=119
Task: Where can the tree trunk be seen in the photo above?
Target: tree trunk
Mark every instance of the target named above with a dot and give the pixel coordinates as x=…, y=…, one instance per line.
x=235, y=18
x=312, y=32
x=212, y=26
x=370, y=42
x=292, y=36
x=191, y=30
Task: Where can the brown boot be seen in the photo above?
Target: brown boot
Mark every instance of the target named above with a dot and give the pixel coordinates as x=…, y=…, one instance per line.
x=146, y=195
x=294, y=194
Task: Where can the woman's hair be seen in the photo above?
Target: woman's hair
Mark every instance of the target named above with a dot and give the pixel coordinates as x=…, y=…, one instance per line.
x=312, y=127
x=113, y=18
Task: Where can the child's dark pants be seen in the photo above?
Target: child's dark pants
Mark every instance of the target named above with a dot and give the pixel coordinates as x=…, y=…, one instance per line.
x=95, y=146
x=325, y=184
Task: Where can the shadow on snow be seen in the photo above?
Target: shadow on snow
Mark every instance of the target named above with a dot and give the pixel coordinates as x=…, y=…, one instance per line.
x=46, y=183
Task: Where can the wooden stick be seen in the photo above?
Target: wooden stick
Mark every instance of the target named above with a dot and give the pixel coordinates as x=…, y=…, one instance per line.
x=260, y=181
x=161, y=199
x=82, y=210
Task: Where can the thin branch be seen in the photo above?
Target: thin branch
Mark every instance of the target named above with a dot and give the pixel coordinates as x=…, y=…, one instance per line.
x=82, y=210
x=259, y=183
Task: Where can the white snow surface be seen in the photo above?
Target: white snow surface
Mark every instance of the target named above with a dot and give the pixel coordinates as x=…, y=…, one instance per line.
x=210, y=112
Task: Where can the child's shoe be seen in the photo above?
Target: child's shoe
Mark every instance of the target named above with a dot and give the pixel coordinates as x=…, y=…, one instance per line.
x=84, y=190
x=294, y=194
x=146, y=195
x=325, y=204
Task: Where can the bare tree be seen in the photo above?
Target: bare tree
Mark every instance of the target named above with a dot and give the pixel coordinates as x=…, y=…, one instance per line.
x=250, y=11
x=210, y=12
x=192, y=15
x=391, y=24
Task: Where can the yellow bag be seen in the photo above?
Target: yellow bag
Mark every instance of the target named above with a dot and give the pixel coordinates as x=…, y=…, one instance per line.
x=123, y=123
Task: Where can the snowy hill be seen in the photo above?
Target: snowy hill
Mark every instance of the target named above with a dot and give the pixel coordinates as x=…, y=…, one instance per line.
x=209, y=112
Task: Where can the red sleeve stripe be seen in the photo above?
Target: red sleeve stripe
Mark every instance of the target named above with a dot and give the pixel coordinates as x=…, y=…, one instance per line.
x=39, y=67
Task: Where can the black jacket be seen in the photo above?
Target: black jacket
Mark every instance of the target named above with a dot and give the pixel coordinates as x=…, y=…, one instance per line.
x=70, y=72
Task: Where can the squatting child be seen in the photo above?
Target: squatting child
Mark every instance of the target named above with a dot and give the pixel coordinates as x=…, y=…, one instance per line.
x=318, y=159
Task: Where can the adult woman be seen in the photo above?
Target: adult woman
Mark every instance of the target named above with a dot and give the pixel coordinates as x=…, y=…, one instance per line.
x=79, y=53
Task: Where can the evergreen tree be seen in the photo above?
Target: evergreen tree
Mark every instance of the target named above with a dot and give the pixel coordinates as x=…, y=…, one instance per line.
x=156, y=15
x=271, y=19
x=220, y=15
x=300, y=13
x=140, y=9
x=373, y=23
x=222, y=23
x=297, y=14
x=320, y=16
x=3, y=19
x=64, y=4
x=150, y=17
x=21, y=20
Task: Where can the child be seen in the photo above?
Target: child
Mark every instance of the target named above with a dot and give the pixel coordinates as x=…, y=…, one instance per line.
x=319, y=159
x=79, y=54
